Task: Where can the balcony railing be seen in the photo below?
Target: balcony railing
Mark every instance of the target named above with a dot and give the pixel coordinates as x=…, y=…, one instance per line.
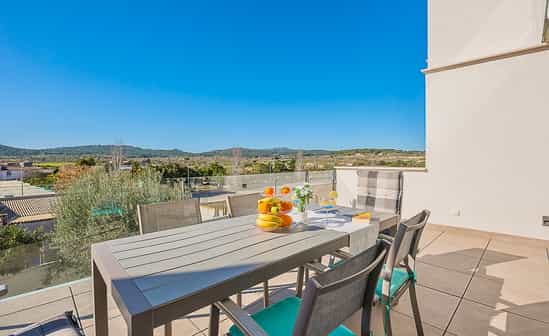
x=29, y=267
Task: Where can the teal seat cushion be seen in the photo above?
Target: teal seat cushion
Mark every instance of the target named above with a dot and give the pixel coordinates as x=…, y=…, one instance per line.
x=399, y=277
x=279, y=319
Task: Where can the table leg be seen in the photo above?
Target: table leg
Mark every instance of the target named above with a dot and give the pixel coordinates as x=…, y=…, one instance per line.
x=100, y=312
x=300, y=275
x=214, y=321
x=266, y=294
x=168, y=329
x=141, y=325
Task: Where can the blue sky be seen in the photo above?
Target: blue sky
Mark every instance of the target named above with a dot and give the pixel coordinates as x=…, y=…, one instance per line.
x=200, y=75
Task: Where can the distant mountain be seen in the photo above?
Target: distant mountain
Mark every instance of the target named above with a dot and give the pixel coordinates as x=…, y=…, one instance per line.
x=91, y=150
x=249, y=152
x=132, y=151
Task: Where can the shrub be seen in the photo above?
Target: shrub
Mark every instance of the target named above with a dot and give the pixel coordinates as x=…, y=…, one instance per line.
x=101, y=205
x=12, y=236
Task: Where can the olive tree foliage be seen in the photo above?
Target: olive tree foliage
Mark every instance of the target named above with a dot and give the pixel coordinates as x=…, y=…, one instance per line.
x=100, y=206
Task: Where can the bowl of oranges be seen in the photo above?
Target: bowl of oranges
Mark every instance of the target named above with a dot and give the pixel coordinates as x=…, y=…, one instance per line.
x=273, y=211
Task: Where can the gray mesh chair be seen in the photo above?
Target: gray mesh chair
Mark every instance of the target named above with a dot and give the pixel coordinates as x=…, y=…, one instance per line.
x=165, y=216
x=399, y=274
x=244, y=205
x=168, y=215
x=321, y=191
x=380, y=190
x=329, y=299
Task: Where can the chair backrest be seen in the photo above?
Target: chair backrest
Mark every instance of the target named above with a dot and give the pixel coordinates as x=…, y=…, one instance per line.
x=321, y=191
x=60, y=325
x=380, y=190
x=406, y=241
x=168, y=215
x=243, y=205
x=332, y=297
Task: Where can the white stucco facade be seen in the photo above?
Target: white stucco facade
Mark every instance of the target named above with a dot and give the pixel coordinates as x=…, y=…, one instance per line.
x=487, y=123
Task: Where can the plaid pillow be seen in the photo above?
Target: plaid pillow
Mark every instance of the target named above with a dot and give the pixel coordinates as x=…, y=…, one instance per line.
x=380, y=190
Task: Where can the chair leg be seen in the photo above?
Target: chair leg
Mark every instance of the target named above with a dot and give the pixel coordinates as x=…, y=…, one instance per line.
x=415, y=309
x=214, y=321
x=387, y=320
x=168, y=329
x=266, y=294
x=239, y=299
x=300, y=275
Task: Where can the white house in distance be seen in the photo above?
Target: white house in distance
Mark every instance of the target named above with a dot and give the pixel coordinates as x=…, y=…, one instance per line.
x=487, y=119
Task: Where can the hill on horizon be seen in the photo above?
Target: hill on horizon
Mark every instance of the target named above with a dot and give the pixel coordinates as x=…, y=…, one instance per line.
x=134, y=151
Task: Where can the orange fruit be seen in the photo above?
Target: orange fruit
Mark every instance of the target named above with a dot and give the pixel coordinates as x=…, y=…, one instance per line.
x=269, y=191
x=286, y=206
x=285, y=190
x=263, y=207
x=286, y=220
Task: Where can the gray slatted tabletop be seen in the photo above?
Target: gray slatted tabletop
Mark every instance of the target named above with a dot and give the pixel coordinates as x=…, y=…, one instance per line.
x=159, y=277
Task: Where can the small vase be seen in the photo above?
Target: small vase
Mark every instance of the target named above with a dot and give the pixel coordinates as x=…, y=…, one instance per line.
x=302, y=216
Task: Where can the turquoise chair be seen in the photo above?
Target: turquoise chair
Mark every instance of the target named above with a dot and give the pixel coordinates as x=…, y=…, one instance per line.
x=328, y=300
x=399, y=274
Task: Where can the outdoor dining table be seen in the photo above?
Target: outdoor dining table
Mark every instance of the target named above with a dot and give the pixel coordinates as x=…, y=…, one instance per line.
x=159, y=277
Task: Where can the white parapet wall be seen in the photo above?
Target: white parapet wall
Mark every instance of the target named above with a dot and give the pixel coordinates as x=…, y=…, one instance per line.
x=486, y=201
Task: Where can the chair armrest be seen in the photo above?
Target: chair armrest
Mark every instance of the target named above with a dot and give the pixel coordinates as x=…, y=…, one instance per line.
x=317, y=267
x=241, y=318
x=386, y=238
x=3, y=289
x=215, y=219
x=342, y=254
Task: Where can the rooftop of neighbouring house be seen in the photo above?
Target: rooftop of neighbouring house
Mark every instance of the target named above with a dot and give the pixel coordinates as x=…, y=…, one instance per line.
x=28, y=208
x=469, y=283
x=14, y=188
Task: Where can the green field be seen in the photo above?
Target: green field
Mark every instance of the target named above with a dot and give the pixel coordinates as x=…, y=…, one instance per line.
x=52, y=164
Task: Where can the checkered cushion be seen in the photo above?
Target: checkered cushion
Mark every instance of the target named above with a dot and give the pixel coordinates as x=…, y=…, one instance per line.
x=380, y=190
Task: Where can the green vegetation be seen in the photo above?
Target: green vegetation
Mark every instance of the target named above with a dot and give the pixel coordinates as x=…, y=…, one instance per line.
x=12, y=236
x=99, y=206
x=86, y=161
x=270, y=166
x=46, y=181
x=52, y=165
x=175, y=170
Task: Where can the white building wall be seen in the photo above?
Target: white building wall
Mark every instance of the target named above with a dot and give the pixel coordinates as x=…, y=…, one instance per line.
x=468, y=29
x=487, y=124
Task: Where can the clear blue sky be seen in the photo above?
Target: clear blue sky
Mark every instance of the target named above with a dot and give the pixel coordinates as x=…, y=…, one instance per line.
x=200, y=75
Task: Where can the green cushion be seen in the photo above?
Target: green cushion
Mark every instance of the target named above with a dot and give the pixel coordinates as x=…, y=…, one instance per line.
x=279, y=319
x=399, y=277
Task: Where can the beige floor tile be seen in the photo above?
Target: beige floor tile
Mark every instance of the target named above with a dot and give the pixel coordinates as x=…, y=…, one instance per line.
x=442, y=279
x=530, y=272
x=117, y=326
x=520, y=240
x=11, y=322
x=42, y=297
x=436, y=308
x=402, y=325
x=507, y=250
x=515, y=294
x=473, y=319
x=458, y=243
x=428, y=237
x=432, y=255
